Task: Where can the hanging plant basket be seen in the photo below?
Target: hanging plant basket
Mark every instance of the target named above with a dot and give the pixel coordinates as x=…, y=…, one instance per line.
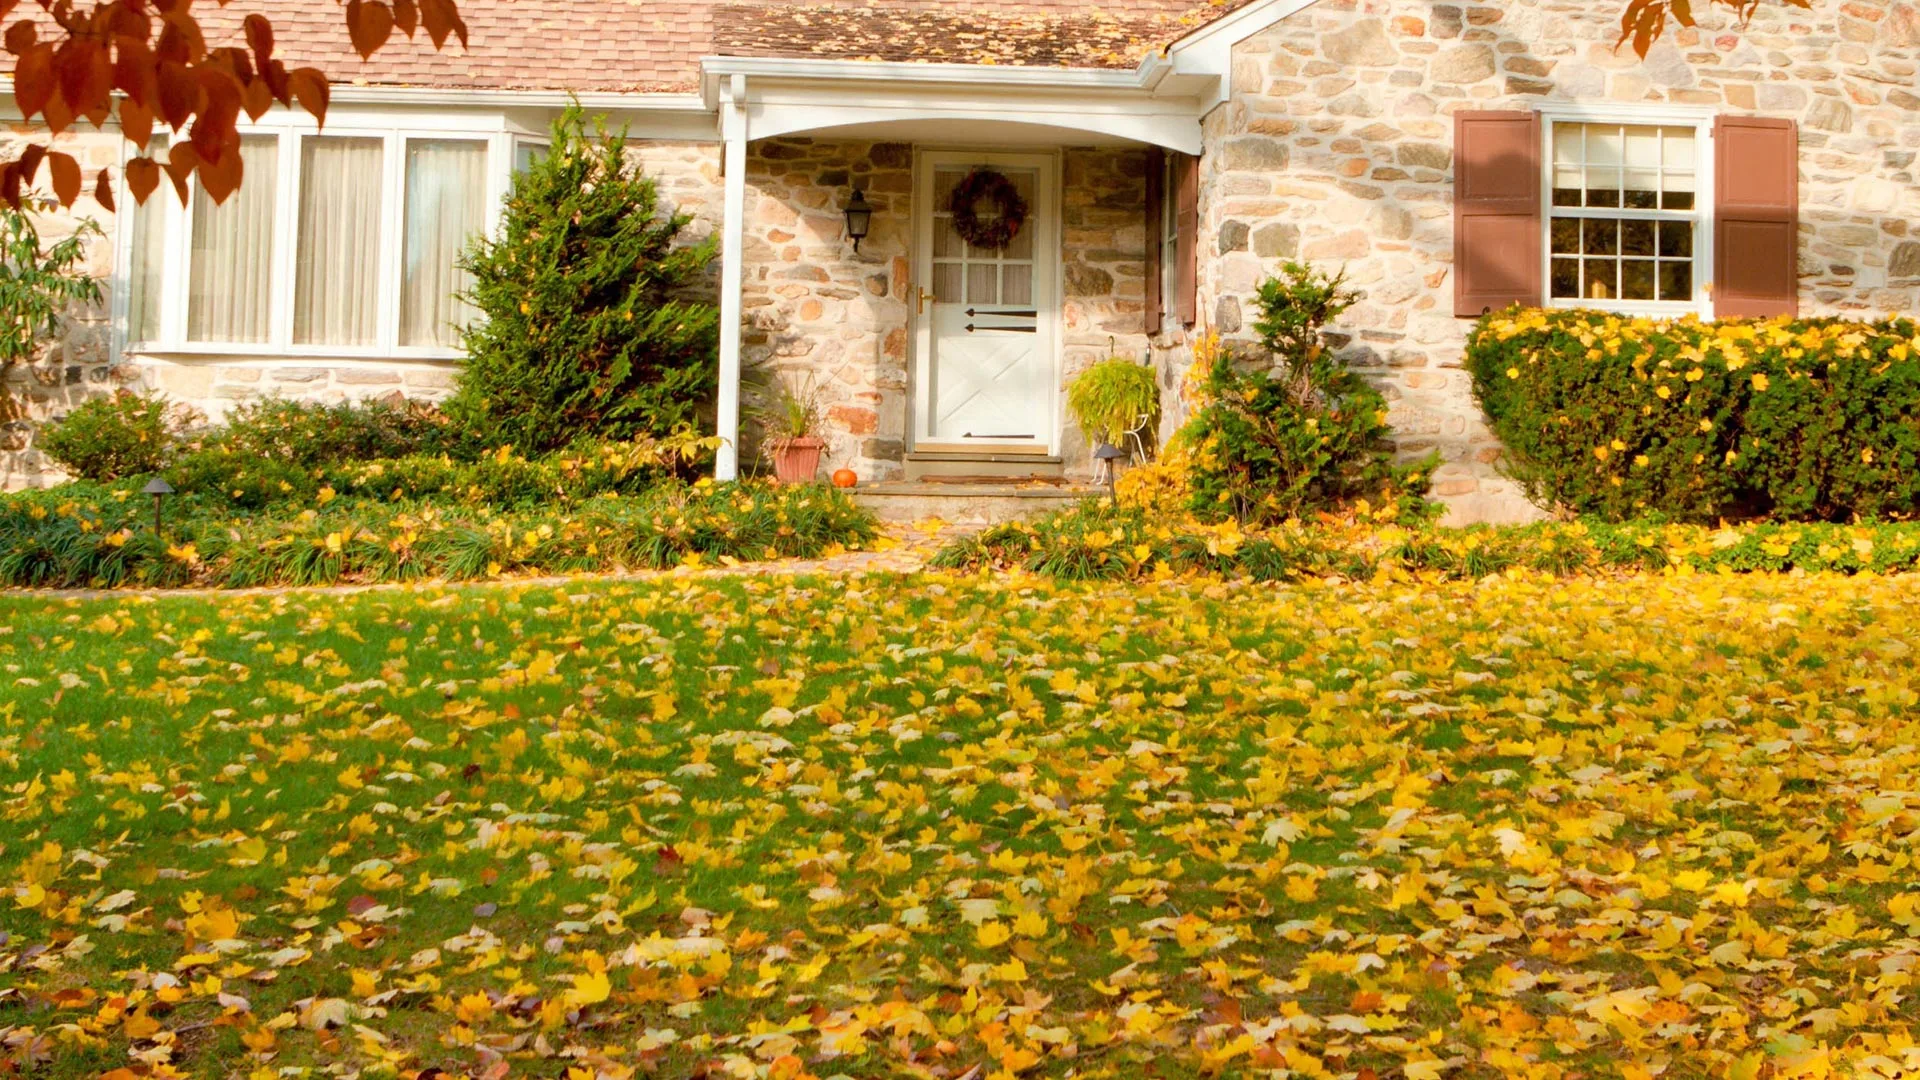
x=992, y=233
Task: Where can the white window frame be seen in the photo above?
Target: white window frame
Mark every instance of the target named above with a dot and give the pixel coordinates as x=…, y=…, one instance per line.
x=1701, y=120
x=394, y=127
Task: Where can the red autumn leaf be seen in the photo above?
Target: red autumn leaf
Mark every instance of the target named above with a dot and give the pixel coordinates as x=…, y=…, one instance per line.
x=369, y=23
x=142, y=177
x=220, y=179
x=85, y=74
x=260, y=37
x=57, y=115
x=30, y=159
x=135, y=71
x=179, y=94
x=10, y=184
x=256, y=98
x=136, y=123
x=66, y=177
x=215, y=133
x=33, y=83
x=441, y=18
x=406, y=16
x=103, y=191
x=181, y=161
x=21, y=36
x=310, y=89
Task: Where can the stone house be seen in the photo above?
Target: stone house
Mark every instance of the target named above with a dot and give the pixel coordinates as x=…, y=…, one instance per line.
x=1168, y=155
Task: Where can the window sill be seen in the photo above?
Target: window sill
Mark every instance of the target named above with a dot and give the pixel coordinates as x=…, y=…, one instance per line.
x=269, y=354
x=1652, y=309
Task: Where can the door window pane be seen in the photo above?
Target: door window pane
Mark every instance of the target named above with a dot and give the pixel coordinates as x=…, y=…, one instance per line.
x=337, y=276
x=446, y=208
x=231, y=276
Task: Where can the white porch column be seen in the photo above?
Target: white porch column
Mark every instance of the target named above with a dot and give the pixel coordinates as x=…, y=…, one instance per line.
x=733, y=130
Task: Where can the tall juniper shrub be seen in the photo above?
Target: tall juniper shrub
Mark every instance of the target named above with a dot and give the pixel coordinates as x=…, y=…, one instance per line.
x=589, y=327
x=1303, y=433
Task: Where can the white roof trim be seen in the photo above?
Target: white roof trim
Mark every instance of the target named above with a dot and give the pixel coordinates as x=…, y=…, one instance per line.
x=1209, y=49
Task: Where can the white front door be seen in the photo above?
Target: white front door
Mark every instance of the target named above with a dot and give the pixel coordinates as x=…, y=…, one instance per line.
x=985, y=360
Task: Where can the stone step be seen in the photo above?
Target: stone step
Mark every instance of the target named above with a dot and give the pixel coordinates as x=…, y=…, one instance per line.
x=982, y=502
x=924, y=464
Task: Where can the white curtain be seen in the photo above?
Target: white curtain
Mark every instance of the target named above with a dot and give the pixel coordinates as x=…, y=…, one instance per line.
x=231, y=276
x=446, y=207
x=149, y=258
x=337, y=271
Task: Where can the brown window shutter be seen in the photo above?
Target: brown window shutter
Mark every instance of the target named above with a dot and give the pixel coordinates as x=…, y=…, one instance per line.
x=1186, y=194
x=1497, y=237
x=1156, y=233
x=1756, y=217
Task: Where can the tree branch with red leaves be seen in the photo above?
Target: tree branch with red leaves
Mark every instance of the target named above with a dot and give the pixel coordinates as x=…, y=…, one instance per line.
x=147, y=62
x=1645, y=20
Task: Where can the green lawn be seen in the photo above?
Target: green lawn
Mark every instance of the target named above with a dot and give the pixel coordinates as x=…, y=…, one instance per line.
x=960, y=827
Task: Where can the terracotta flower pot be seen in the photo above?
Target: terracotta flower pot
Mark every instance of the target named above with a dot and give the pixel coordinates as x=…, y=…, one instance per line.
x=796, y=460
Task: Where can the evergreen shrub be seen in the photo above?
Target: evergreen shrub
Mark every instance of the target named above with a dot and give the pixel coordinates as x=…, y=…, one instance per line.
x=1618, y=417
x=590, y=326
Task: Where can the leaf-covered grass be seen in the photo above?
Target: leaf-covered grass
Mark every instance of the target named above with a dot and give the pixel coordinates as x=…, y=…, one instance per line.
x=935, y=826
x=103, y=536
x=1096, y=541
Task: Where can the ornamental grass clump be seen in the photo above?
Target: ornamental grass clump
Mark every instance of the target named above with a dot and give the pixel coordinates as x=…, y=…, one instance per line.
x=1792, y=420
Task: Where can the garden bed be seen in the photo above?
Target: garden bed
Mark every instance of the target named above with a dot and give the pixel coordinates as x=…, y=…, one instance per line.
x=102, y=536
x=1096, y=541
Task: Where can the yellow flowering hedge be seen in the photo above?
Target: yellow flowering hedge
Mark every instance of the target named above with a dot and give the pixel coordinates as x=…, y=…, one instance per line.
x=87, y=535
x=1810, y=419
x=1099, y=542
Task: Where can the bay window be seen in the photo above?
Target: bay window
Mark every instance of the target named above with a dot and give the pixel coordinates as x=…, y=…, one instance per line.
x=339, y=243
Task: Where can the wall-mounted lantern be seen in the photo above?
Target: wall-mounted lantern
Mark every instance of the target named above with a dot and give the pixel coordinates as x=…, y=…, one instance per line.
x=859, y=218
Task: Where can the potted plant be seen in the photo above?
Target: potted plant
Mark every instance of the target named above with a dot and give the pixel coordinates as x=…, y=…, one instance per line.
x=1112, y=400
x=789, y=416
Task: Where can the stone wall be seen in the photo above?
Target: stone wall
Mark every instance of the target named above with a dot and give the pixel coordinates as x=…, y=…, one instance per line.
x=816, y=313
x=1104, y=262
x=79, y=363
x=1336, y=148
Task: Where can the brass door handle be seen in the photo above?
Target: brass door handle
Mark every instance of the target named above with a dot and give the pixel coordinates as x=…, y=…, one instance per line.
x=920, y=306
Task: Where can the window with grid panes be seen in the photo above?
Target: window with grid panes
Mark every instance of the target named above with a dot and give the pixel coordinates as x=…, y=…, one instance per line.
x=1624, y=228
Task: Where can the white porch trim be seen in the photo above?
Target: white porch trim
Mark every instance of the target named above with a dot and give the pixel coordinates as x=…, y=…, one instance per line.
x=733, y=128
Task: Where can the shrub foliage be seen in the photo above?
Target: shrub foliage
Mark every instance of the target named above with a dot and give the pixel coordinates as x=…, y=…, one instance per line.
x=1268, y=441
x=93, y=535
x=1096, y=542
x=120, y=434
x=588, y=327
x=1813, y=419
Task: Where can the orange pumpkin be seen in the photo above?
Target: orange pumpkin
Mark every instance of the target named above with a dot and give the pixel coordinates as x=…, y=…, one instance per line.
x=844, y=478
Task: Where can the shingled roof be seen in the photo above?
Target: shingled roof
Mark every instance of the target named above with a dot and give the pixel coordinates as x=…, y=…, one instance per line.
x=1046, y=35
x=656, y=45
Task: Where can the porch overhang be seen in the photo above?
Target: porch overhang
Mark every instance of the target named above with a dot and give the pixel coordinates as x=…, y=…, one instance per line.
x=1152, y=105
x=1160, y=102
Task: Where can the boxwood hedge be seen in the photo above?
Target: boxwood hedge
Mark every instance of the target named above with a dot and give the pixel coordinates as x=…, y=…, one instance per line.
x=1615, y=416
